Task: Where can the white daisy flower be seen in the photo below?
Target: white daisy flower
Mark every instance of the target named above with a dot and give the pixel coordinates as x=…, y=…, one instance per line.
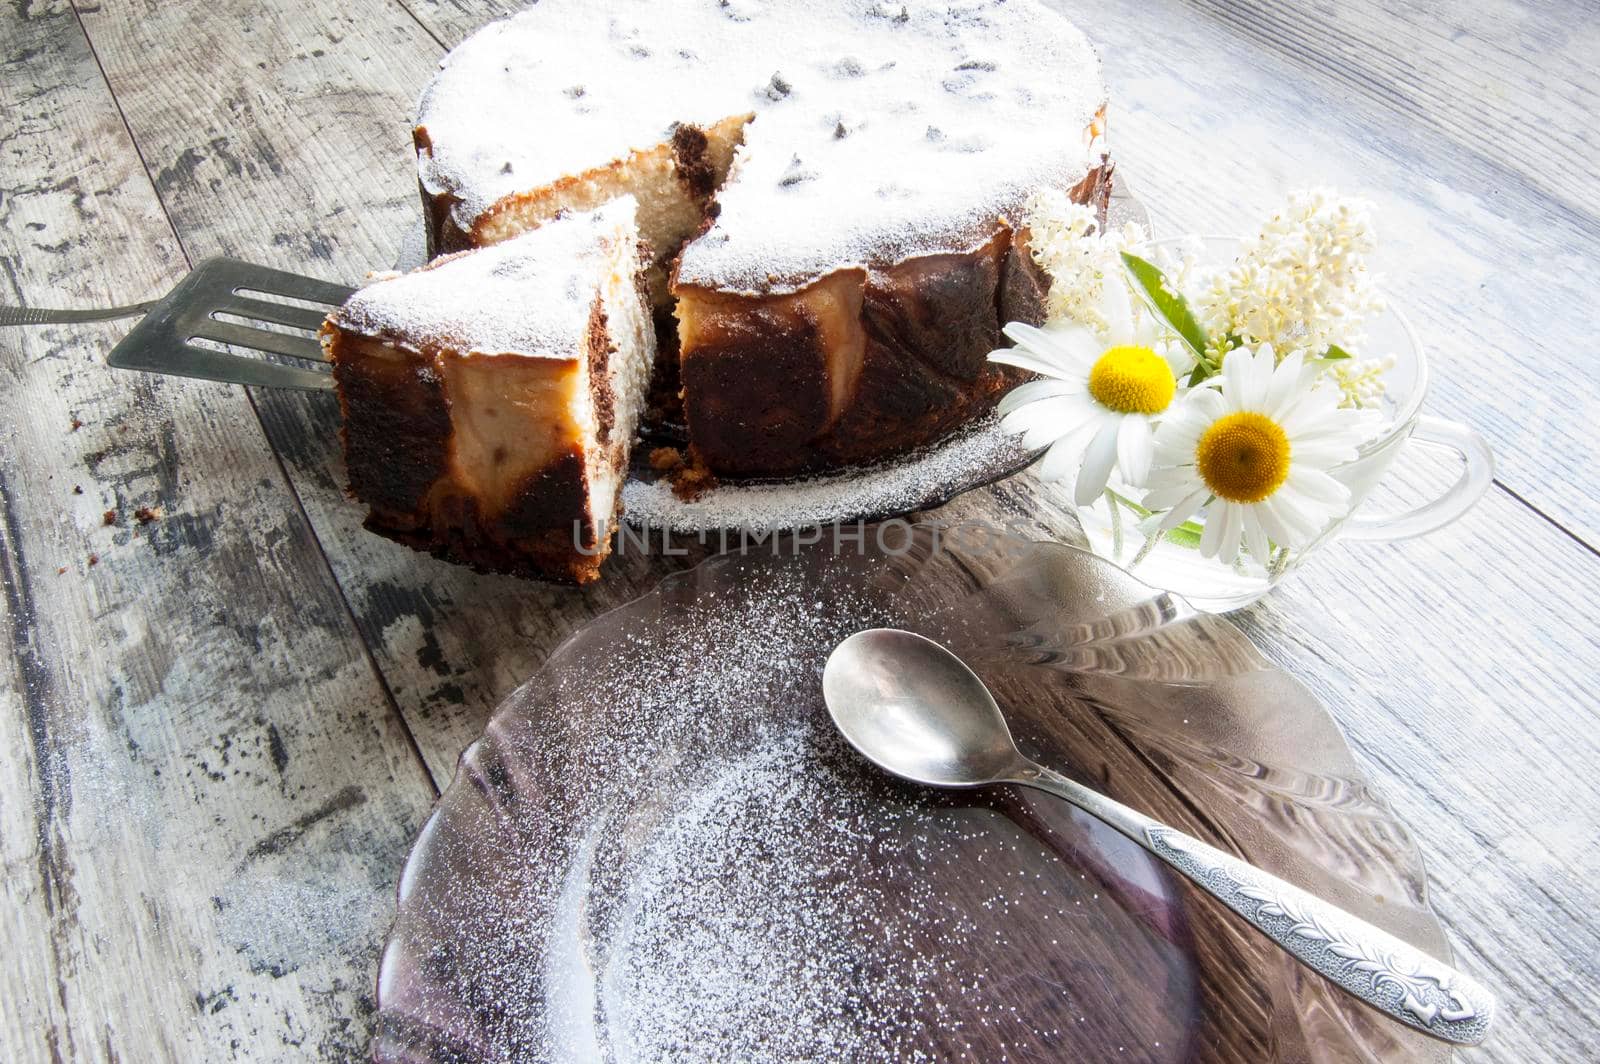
x=1101, y=393
x=1255, y=452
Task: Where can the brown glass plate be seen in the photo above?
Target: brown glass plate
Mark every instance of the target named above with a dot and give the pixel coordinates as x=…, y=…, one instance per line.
x=659, y=850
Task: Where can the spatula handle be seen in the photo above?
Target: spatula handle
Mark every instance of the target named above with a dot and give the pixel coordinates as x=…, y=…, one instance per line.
x=46, y=316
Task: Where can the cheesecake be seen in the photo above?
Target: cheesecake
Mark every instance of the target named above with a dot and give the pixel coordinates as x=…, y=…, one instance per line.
x=831, y=194
x=490, y=398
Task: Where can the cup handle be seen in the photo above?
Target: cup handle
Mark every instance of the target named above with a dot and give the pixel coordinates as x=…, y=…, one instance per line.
x=1476, y=476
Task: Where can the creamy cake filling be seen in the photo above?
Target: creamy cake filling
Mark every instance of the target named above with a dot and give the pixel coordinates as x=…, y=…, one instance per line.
x=618, y=372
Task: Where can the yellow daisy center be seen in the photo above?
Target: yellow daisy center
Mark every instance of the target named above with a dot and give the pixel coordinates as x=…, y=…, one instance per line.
x=1132, y=380
x=1243, y=457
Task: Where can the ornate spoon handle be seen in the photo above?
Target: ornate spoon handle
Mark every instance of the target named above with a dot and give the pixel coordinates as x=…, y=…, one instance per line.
x=1365, y=961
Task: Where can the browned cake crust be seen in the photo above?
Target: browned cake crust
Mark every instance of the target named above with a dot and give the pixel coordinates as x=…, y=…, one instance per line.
x=399, y=447
x=861, y=364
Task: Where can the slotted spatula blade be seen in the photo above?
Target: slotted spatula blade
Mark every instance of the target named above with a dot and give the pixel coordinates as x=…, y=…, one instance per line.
x=219, y=302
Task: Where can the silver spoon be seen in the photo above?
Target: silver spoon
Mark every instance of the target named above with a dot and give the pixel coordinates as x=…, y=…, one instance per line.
x=916, y=710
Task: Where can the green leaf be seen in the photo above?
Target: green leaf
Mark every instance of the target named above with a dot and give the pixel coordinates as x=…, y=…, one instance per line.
x=1335, y=353
x=1186, y=535
x=1166, y=301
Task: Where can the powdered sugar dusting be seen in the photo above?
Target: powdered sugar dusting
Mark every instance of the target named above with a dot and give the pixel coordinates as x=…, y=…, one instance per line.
x=976, y=455
x=729, y=931
x=882, y=129
x=528, y=296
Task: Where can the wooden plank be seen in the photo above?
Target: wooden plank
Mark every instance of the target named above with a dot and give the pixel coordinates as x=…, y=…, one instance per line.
x=451, y=22
x=206, y=795
x=1466, y=687
x=1461, y=70
x=1474, y=153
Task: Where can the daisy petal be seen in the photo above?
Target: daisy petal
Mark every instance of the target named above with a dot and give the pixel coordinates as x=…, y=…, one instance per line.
x=1284, y=386
x=1162, y=478
x=1323, y=453
x=1146, y=332
x=1023, y=394
x=1053, y=415
x=1303, y=517
x=1255, y=536
x=1272, y=525
x=1075, y=422
x=1135, y=448
x=1168, y=494
x=1238, y=368
x=1071, y=342
x=1216, y=524
x=1254, y=382
x=1063, y=457
x=1026, y=358
x=1315, y=484
x=1183, y=510
x=1098, y=459
x=1232, y=525
x=1118, y=313
x=1209, y=402
x=1315, y=412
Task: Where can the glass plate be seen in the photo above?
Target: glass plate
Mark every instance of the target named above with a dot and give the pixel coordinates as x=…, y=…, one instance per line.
x=659, y=850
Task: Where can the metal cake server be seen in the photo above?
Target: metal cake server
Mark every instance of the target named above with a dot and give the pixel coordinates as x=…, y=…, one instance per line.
x=220, y=302
x=914, y=709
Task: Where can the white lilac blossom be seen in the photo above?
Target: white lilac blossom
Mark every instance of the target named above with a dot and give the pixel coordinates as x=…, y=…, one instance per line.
x=1302, y=282
x=1065, y=241
x=1361, y=380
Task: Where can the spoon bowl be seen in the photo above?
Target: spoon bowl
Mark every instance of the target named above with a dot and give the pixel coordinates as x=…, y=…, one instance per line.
x=915, y=710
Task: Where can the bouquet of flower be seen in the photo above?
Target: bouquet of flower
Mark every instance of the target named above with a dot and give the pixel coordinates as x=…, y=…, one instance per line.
x=1174, y=391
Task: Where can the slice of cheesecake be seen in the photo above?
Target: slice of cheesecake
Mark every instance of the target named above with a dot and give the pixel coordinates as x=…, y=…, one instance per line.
x=490, y=398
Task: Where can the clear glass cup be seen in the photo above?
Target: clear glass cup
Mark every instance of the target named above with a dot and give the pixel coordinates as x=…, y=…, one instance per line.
x=1174, y=563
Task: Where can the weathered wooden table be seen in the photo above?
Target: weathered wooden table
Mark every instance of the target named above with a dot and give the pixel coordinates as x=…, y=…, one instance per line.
x=220, y=729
